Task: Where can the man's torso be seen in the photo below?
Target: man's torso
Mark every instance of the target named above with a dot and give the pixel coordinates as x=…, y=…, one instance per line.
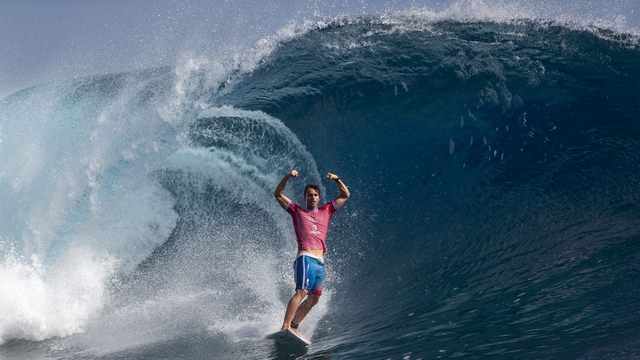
x=311, y=227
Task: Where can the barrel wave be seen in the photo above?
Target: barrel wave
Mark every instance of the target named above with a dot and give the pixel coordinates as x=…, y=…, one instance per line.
x=493, y=171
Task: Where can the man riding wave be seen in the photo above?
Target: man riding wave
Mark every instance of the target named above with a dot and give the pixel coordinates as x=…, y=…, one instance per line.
x=310, y=224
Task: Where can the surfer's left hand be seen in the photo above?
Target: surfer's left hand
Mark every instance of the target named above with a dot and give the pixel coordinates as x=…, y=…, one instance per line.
x=331, y=176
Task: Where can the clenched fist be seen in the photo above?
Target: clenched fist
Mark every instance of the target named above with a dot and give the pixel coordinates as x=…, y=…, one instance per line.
x=331, y=176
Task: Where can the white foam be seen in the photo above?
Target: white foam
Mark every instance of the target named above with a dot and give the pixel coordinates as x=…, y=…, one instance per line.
x=38, y=304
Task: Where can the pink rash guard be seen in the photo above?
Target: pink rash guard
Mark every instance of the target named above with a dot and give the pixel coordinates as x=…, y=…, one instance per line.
x=311, y=225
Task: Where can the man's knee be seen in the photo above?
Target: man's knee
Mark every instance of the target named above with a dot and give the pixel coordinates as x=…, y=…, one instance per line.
x=300, y=294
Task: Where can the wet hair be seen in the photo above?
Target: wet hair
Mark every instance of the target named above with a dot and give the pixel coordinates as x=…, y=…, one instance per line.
x=310, y=186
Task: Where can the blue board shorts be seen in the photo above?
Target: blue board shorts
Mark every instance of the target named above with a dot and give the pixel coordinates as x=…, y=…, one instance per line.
x=309, y=274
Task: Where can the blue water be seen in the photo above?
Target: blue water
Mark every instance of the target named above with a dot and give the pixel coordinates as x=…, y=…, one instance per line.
x=493, y=168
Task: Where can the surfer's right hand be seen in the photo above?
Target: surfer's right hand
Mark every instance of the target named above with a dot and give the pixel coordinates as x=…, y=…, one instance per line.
x=292, y=173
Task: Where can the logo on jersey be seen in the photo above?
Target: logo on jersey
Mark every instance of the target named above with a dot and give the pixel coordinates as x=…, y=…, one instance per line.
x=314, y=230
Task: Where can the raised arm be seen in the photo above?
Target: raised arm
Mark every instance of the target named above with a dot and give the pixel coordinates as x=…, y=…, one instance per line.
x=344, y=192
x=279, y=193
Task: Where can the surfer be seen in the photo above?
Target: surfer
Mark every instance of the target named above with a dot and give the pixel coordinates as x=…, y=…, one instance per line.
x=310, y=225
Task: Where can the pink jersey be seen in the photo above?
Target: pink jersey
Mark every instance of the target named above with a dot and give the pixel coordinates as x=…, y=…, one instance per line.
x=311, y=225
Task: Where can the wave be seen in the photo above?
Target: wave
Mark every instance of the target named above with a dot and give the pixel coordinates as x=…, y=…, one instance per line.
x=491, y=161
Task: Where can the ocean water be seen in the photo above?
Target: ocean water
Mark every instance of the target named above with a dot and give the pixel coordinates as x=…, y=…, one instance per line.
x=493, y=165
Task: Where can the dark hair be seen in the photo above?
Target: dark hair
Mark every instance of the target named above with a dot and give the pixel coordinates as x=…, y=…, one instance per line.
x=311, y=186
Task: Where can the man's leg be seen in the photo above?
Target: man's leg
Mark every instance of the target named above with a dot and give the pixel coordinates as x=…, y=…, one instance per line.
x=303, y=310
x=294, y=303
x=314, y=294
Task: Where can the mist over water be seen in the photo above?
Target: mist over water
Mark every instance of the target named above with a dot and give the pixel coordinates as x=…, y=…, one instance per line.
x=492, y=161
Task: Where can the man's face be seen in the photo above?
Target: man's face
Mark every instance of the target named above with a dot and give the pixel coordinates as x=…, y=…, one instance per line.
x=312, y=197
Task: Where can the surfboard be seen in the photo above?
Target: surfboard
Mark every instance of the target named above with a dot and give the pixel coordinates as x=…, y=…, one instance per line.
x=286, y=336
